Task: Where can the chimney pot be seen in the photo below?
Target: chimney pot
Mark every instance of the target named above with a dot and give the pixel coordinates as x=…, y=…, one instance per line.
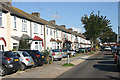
x=36, y=14
x=70, y=29
x=63, y=26
x=52, y=21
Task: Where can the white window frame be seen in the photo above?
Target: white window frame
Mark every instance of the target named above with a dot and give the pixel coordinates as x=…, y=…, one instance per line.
x=15, y=26
x=1, y=19
x=24, y=25
x=47, y=31
x=51, y=32
x=35, y=28
x=56, y=34
x=41, y=29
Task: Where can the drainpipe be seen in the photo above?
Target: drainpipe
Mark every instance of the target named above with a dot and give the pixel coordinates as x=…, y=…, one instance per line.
x=44, y=38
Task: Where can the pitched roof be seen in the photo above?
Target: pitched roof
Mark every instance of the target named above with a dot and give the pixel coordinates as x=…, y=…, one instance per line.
x=20, y=13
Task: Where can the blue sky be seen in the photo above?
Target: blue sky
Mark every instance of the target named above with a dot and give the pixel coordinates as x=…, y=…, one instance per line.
x=70, y=13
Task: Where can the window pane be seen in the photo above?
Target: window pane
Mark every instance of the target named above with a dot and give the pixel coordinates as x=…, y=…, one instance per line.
x=0, y=13
x=0, y=21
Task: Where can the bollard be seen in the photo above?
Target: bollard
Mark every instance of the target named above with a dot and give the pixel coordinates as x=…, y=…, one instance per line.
x=68, y=59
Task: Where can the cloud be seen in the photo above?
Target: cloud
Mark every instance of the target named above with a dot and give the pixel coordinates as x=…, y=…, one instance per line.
x=79, y=30
x=55, y=16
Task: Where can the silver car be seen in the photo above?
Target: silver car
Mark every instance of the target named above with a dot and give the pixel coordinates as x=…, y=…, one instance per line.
x=25, y=59
x=72, y=52
x=64, y=53
x=56, y=54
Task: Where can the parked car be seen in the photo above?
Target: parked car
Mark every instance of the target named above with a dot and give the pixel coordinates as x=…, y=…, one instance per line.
x=37, y=57
x=83, y=50
x=118, y=57
x=64, y=53
x=72, y=52
x=10, y=63
x=115, y=55
x=89, y=49
x=56, y=54
x=107, y=48
x=25, y=59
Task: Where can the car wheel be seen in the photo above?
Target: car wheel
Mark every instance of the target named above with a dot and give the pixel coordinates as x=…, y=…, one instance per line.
x=73, y=54
x=41, y=64
x=3, y=71
x=35, y=64
x=60, y=59
x=23, y=67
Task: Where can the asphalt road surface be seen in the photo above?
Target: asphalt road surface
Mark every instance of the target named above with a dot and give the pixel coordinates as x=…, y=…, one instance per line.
x=98, y=66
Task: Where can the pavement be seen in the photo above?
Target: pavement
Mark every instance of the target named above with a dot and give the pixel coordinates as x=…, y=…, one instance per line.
x=99, y=66
x=49, y=70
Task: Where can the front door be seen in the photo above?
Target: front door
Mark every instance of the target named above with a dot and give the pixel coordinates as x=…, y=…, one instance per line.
x=1, y=45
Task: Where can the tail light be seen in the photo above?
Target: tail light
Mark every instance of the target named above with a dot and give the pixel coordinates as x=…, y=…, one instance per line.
x=8, y=59
x=37, y=55
x=60, y=50
x=53, y=53
x=27, y=59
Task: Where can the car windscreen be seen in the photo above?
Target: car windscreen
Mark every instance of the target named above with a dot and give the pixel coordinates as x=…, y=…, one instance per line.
x=9, y=54
x=64, y=50
x=38, y=53
x=56, y=50
x=25, y=54
x=81, y=48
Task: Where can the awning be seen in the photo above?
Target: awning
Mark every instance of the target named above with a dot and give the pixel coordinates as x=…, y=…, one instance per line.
x=37, y=38
x=52, y=40
x=16, y=38
x=1, y=38
x=59, y=41
x=66, y=41
x=25, y=36
x=75, y=42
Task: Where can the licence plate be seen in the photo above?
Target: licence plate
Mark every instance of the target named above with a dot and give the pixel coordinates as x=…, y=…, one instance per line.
x=16, y=59
x=58, y=54
x=64, y=53
x=31, y=62
x=42, y=56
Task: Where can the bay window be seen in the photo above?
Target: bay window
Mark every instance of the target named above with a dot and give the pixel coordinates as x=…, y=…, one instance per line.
x=24, y=25
x=0, y=19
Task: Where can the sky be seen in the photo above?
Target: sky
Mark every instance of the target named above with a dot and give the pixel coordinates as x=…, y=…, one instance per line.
x=70, y=13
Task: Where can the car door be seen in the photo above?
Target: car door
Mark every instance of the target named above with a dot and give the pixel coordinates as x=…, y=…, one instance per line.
x=118, y=56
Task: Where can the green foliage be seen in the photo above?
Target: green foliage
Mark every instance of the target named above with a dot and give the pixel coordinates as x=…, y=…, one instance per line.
x=95, y=25
x=108, y=36
x=24, y=44
x=46, y=55
x=66, y=64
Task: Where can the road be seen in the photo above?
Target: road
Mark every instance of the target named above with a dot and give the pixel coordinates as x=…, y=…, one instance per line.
x=97, y=66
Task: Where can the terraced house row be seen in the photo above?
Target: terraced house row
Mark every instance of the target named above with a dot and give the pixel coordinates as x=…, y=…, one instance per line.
x=16, y=24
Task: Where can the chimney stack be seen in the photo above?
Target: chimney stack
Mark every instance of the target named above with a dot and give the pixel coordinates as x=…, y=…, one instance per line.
x=52, y=21
x=70, y=29
x=8, y=3
x=75, y=31
x=36, y=14
x=63, y=26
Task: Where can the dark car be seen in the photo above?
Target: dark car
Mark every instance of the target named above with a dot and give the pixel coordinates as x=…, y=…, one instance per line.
x=9, y=63
x=37, y=56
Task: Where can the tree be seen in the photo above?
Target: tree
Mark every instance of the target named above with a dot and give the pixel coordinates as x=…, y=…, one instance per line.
x=24, y=44
x=94, y=26
x=108, y=36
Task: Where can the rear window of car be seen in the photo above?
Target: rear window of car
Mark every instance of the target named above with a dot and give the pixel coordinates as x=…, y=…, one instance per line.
x=64, y=50
x=9, y=54
x=25, y=54
x=37, y=53
x=56, y=50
